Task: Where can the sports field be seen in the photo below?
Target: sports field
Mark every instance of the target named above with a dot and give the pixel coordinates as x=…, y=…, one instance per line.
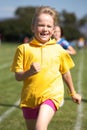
x=69, y=117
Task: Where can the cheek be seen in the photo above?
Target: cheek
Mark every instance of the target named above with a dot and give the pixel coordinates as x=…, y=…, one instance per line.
x=37, y=29
x=52, y=32
x=60, y=34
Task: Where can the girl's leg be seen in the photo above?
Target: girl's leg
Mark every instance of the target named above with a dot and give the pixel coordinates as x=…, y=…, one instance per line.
x=44, y=117
x=30, y=116
x=30, y=124
x=39, y=117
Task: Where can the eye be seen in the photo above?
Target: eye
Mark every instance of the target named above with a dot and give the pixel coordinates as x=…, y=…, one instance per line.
x=49, y=26
x=40, y=25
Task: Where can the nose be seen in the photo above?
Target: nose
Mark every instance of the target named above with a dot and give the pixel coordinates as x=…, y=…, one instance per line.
x=44, y=28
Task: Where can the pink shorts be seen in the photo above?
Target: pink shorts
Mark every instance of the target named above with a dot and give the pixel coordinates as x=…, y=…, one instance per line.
x=32, y=113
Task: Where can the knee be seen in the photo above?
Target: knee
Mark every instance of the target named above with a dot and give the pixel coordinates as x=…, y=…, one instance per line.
x=40, y=127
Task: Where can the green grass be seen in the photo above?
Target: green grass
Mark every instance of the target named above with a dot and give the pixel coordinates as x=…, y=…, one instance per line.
x=10, y=90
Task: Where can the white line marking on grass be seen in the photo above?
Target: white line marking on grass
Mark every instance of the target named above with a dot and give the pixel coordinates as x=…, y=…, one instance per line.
x=3, y=116
x=79, y=85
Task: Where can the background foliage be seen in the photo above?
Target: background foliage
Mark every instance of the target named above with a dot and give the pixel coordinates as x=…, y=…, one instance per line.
x=14, y=29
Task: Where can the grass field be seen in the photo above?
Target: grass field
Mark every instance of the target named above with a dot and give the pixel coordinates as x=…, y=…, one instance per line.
x=70, y=117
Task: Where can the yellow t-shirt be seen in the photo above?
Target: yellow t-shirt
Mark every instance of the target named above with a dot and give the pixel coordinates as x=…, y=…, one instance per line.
x=47, y=84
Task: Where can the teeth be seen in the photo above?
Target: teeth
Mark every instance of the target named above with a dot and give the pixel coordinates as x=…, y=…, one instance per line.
x=44, y=34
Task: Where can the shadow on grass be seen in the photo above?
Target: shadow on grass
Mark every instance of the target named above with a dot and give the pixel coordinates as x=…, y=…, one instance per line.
x=17, y=106
x=83, y=100
x=9, y=105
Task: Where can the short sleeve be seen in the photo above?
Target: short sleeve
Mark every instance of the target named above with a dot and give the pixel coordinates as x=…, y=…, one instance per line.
x=66, y=62
x=65, y=44
x=17, y=65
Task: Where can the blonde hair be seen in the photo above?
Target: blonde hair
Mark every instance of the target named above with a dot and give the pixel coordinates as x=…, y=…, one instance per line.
x=45, y=10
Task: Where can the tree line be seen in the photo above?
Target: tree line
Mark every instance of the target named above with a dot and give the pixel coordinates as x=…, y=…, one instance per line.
x=14, y=29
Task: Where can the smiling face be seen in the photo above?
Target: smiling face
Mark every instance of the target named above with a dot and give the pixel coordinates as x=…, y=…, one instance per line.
x=43, y=28
x=57, y=33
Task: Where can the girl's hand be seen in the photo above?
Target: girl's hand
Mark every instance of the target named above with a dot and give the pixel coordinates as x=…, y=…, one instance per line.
x=35, y=67
x=76, y=98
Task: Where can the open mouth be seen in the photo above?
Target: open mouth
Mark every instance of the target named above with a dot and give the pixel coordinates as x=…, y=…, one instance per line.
x=44, y=34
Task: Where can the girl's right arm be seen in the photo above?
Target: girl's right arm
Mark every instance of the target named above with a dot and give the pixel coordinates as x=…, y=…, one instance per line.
x=71, y=50
x=35, y=68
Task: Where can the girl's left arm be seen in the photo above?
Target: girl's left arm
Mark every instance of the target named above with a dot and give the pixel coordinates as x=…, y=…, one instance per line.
x=68, y=80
